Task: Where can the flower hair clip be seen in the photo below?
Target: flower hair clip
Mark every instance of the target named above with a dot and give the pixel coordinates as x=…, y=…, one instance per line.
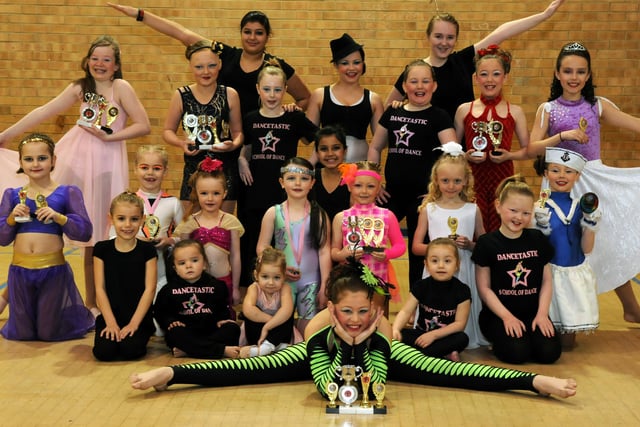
x=210, y=165
x=451, y=148
x=348, y=172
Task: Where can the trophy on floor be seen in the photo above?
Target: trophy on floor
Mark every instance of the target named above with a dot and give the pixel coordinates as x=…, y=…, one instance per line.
x=348, y=393
x=452, y=222
x=22, y=196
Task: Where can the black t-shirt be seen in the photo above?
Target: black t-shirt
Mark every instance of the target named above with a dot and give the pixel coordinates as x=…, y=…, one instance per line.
x=234, y=76
x=455, y=85
x=517, y=267
x=438, y=301
x=273, y=140
x=124, y=278
x=412, y=136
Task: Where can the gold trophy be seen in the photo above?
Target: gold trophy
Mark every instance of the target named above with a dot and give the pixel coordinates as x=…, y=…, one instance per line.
x=152, y=226
x=90, y=114
x=365, y=380
x=495, y=129
x=216, y=141
x=332, y=392
x=583, y=123
x=348, y=393
x=452, y=222
x=378, y=392
x=544, y=196
x=112, y=115
x=22, y=196
x=41, y=202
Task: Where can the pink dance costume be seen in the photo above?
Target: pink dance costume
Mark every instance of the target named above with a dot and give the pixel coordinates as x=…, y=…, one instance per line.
x=100, y=169
x=371, y=226
x=45, y=302
x=487, y=175
x=615, y=258
x=214, y=240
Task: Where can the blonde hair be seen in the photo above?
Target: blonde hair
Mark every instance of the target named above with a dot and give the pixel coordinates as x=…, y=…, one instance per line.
x=127, y=197
x=443, y=241
x=155, y=149
x=272, y=256
x=515, y=184
x=433, y=191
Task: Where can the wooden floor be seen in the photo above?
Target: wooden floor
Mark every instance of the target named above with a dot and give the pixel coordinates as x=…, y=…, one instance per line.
x=60, y=384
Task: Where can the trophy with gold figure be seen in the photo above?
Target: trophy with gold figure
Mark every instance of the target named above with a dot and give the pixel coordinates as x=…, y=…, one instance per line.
x=452, y=222
x=22, y=196
x=348, y=393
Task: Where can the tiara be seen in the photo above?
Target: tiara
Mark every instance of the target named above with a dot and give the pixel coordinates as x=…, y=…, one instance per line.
x=574, y=47
x=296, y=169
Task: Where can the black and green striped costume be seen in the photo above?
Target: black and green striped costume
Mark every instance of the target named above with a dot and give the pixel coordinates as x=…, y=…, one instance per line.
x=318, y=358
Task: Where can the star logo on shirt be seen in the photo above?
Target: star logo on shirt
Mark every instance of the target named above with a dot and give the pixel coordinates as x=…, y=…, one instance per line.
x=269, y=142
x=193, y=303
x=519, y=275
x=403, y=135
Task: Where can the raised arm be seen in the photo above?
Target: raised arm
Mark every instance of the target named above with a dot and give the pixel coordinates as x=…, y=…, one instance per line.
x=513, y=28
x=58, y=105
x=161, y=25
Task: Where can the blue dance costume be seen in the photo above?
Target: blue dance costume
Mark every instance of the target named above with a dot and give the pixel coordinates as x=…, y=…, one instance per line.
x=45, y=302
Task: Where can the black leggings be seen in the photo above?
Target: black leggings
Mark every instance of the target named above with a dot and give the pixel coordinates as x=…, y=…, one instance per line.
x=406, y=364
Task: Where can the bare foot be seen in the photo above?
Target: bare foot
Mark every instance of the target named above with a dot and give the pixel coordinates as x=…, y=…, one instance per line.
x=245, y=352
x=156, y=378
x=232, y=352
x=632, y=317
x=454, y=356
x=561, y=387
x=178, y=353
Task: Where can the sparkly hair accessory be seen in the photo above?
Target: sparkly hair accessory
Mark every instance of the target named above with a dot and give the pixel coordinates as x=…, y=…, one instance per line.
x=217, y=47
x=451, y=148
x=210, y=165
x=378, y=285
x=574, y=47
x=296, y=169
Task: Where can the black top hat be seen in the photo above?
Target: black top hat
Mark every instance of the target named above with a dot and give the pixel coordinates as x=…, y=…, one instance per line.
x=344, y=46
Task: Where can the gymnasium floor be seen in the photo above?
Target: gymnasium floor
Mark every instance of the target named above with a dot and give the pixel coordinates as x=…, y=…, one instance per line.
x=61, y=384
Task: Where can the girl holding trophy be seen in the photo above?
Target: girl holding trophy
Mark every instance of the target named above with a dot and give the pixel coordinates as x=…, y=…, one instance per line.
x=487, y=125
x=92, y=155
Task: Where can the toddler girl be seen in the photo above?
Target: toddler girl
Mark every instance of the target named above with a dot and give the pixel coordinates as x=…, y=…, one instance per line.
x=442, y=303
x=193, y=309
x=268, y=306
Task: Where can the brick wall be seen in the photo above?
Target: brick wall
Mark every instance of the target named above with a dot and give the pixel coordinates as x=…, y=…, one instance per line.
x=43, y=41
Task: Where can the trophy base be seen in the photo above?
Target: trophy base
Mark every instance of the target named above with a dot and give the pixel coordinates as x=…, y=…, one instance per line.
x=356, y=410
x=453, y=236
x=23, y=219
x=84, y=123
x=105, y=129
x=496, y=153
x=204, y=147
x=477, y=154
